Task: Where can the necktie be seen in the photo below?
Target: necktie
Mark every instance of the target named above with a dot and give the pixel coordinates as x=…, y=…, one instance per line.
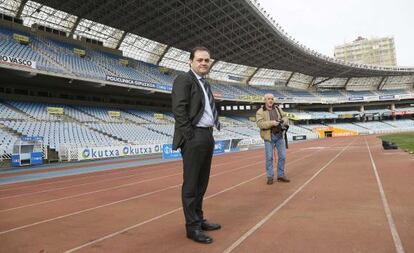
x=212, y=103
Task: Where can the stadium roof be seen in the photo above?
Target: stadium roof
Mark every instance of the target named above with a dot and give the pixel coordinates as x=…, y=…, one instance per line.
x=242, y=38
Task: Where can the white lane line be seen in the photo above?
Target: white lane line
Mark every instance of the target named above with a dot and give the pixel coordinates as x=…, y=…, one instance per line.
x=395, y=236
x=107, y=173
x=265, y=219
x=70, y=186
x=94, y=182
x=147, y=170
x=88, y=193
x=157, y=217
x=172, y=211
x=92, y=174
x=113, y=203
x=100, y=190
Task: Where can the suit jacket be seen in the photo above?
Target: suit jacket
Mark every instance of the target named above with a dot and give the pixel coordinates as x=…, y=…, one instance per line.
x=187, y=106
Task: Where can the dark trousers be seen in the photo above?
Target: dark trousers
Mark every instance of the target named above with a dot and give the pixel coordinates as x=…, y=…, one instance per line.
x=197, y=154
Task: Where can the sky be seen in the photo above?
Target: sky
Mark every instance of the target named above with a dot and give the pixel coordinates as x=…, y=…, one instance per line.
x=323, y=24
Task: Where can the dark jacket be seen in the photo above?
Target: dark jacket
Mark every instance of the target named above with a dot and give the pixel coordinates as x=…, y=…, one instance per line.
x=187, y=106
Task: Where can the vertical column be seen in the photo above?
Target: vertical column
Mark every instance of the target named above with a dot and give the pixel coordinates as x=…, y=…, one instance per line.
x=362, y=109
x=392, y=107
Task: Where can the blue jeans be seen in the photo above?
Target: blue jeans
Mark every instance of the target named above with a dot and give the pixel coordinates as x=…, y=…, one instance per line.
x=278, y=142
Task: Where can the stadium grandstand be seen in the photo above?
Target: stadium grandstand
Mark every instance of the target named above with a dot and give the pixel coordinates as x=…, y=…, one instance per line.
x=83, y=74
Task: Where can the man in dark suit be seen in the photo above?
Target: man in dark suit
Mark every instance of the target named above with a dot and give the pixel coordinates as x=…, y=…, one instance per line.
x=195, y=116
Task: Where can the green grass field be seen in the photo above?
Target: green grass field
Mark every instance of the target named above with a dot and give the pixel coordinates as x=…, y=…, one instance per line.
x=403, y=140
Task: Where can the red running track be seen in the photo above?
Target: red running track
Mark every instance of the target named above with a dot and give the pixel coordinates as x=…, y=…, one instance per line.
x=346, y=195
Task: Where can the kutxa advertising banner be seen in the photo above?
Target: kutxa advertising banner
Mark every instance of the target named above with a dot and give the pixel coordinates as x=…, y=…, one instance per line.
x=117, y=151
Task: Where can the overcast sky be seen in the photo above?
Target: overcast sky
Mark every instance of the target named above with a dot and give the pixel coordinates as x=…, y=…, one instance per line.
x=323, y=24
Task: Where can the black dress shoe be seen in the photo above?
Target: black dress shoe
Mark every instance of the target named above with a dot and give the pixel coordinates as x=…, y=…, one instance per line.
x=199, y=236
x=209, y=226
x=283, y=179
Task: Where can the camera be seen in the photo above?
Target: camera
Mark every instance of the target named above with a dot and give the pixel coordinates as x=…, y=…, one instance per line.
x=283, y=127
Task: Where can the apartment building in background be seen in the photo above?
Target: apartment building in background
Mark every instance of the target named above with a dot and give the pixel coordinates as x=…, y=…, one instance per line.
x=376, y=51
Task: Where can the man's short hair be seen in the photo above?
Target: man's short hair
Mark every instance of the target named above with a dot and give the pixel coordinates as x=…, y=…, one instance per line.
x=268, y=95
x=198, y=48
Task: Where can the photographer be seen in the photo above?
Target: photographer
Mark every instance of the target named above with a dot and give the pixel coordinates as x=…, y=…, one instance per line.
x=272, y=122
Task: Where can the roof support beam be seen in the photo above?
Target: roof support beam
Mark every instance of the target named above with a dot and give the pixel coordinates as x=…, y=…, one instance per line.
x=346, y=83
x=121, y=39
x=382, y=83
x=163, y=54
x=251, y=76
x=75, y=25
x=312, y=82
x=20, y=10
x=324, y=80
x=288, y=80
x=329, y=78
